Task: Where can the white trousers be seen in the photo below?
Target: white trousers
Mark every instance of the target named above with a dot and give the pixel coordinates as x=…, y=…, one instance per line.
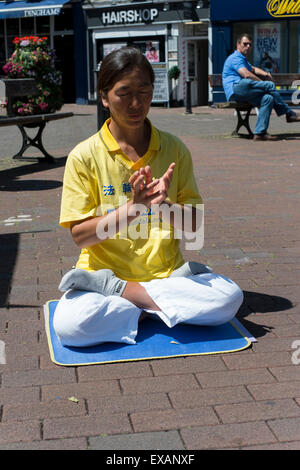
x=86, y=318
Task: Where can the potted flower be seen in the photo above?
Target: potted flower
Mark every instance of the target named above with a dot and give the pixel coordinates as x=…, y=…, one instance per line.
x=33, y=58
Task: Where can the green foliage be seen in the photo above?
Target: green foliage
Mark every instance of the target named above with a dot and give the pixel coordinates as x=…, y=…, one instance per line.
x=174, y=72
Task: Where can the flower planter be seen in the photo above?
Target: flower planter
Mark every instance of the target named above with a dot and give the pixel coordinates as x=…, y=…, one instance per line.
x=33, y=59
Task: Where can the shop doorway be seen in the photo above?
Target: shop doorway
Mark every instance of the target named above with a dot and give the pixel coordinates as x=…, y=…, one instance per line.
x=197, y=53
x=64, y=49
x=202, y=72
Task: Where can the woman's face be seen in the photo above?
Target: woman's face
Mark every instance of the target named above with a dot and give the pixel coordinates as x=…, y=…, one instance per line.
x=130, y=98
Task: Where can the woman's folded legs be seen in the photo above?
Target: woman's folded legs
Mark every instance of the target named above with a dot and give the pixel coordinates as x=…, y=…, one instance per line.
x=85, y=318
x=202, y=299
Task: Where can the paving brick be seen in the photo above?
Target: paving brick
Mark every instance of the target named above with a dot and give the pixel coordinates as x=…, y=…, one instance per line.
x=19, y=395
x=275, y=390
x=38, y=377
x=23, y=331
x=260, y=410
x=256, y=360
x=172, y=419
x=158, y=384
x=187, y=365
x=87, y=390
x=273, y=319
x=274, y=344
x=43, y=410
x=15, y=362
x=27, y=349
x=278, y=446
x=227, y=435
x=128, y=403
x=285, y=374
x=54, y=444
x=231, y=378
x=166, y=440
x=15, y=432
x=198, y=398
x=288, y=331
x=86, y=426
x=287, y=429
x=114, y=371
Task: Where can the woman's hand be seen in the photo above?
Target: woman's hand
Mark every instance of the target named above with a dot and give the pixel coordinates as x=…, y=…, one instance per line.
x=147, y=191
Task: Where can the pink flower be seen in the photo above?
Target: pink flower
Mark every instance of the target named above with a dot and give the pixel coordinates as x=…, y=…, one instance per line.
x=43, y=106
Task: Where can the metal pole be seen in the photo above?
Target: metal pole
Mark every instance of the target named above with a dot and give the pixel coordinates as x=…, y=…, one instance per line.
x=188, y=109
x=102, y=113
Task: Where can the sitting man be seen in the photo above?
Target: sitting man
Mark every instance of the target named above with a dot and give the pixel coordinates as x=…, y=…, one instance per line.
x=244, y=82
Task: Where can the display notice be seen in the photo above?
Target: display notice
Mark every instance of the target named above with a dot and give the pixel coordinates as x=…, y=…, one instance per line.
x=161, y=83
x=266, y=50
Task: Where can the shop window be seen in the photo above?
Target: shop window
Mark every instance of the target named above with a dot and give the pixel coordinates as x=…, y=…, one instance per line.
x=12, y=30
x=269, y=44
x=294, y=59
x=64, y=21
x=12, y=27
x=153, y=48
x=43, y=25
x=27, y=26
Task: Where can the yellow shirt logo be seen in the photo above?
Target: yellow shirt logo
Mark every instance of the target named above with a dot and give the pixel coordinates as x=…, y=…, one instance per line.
x=283, y=8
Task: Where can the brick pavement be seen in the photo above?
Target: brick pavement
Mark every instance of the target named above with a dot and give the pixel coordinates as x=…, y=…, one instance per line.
x=245, y=400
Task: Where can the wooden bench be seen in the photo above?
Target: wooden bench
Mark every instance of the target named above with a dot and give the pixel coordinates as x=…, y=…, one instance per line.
x=20, y=87
x=243, y=109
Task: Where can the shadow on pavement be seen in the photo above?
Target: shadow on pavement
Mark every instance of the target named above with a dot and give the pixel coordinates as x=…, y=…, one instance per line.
x=8, y=255
x=9, y=178
x=286, y=136
x=9, y=248
x=256, y=302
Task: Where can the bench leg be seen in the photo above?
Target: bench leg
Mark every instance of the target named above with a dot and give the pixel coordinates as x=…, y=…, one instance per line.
x=33, y=142
x=243, y=121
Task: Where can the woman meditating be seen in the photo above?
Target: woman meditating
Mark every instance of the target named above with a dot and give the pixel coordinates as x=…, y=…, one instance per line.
x=126, y=192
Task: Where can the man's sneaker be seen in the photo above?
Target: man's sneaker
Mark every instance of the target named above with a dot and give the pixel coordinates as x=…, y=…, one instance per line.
x=265, y=137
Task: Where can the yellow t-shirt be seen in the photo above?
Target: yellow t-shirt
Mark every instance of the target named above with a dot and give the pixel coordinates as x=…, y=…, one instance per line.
x=96, y=180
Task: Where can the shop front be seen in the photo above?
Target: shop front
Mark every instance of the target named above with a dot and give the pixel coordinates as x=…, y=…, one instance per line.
x=170, y=34
x=53, y=19
x=275, y=29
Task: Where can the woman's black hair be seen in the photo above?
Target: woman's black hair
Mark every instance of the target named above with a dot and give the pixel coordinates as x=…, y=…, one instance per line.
x=117, y=63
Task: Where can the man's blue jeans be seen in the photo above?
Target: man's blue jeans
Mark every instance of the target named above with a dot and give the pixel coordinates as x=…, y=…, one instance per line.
x=264, y=95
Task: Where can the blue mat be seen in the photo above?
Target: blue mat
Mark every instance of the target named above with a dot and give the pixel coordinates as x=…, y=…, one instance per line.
x=154, y=341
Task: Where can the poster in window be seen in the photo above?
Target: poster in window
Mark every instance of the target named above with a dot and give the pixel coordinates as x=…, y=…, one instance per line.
x=266, y=47
x=107, y=48
x=152, y=51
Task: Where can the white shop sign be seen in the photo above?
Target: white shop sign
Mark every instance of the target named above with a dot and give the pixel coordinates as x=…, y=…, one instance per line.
x=161, y=83
x=129, y=16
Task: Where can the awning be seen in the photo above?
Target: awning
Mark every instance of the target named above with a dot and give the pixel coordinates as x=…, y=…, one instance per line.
x=25, y=9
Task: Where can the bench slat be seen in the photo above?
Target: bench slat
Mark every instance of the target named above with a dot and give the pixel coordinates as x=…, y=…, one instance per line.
x=233, y=105
x=35, y=119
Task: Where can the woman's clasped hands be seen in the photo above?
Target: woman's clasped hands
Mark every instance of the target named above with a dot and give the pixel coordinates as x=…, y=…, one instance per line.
x=148, y=191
